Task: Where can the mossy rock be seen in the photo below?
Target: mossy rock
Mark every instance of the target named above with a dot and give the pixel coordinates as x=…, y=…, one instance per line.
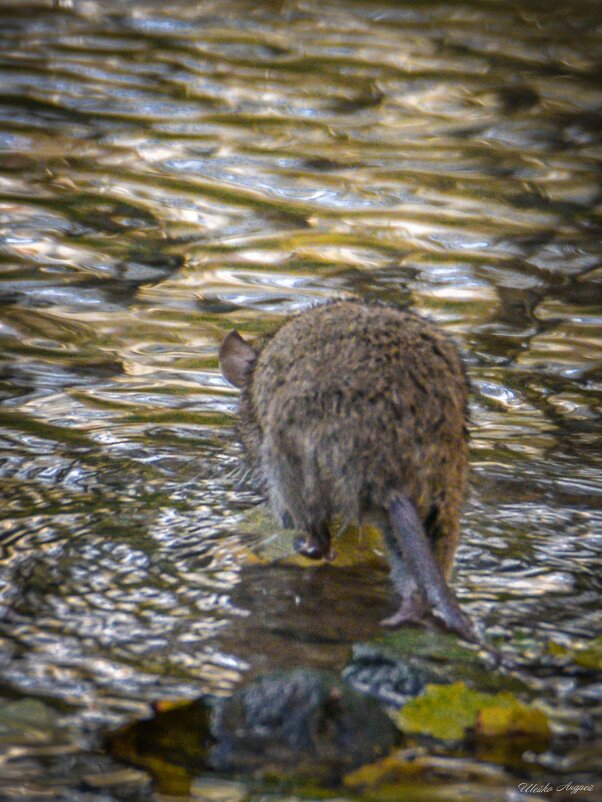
x=264, y=541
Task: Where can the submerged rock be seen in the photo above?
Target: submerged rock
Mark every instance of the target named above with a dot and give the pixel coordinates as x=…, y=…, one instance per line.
x=301, y=723
x=393, y=681
x=304, y=725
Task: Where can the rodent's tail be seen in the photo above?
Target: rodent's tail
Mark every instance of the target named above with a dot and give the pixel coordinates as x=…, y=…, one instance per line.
x=414, y=547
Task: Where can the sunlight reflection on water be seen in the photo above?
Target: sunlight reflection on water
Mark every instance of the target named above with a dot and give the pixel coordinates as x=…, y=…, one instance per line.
x=167, y=173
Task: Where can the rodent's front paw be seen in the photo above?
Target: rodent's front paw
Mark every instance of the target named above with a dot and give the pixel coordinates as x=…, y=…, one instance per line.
x=314, y=549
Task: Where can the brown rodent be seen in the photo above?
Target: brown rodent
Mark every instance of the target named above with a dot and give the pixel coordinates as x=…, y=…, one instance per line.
x=355, y=410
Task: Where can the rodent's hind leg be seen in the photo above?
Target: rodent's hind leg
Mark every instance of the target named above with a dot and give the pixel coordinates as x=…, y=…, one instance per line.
x=411, y=610
x=410, y=546
x=413, y=606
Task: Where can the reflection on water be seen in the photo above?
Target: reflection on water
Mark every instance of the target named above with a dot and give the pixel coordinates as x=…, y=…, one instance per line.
x=168, y=171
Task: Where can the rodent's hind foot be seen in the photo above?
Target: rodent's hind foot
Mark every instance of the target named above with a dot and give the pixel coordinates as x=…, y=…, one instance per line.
x=398, y=620
x=453, y=620
x=415, y=611
x=411, y=611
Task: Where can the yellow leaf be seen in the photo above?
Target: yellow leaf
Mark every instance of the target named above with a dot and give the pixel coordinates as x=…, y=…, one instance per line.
x=447, y=711
x=443, y=711
x=516, y=719
x=389, y=770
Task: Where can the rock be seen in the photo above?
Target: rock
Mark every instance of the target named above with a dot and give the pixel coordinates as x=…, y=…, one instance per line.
x=302, y=725
x=305, y=724
x=392, y=681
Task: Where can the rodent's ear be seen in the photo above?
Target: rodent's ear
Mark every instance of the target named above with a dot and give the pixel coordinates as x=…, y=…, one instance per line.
x=236, y=358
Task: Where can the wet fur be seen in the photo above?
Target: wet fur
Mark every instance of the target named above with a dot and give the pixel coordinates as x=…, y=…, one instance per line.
x=349, y=407
x=348, y=402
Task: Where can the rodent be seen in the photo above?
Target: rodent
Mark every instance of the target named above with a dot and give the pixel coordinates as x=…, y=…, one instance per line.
x=355, y=410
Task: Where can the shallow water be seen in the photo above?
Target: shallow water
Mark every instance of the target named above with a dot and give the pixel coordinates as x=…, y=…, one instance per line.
x=168, y=171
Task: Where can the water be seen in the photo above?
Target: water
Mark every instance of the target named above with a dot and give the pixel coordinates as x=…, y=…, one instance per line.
x=169, y=171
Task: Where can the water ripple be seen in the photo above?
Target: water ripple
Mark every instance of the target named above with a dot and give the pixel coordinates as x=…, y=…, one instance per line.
x=170, y=171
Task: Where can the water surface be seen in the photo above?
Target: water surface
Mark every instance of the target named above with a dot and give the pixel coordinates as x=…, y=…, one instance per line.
x=169, y=171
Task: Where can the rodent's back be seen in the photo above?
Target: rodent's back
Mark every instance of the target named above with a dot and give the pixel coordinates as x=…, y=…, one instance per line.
x=349, y=401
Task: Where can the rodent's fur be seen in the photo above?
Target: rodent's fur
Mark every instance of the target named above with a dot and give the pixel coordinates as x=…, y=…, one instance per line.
x=347, y=407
